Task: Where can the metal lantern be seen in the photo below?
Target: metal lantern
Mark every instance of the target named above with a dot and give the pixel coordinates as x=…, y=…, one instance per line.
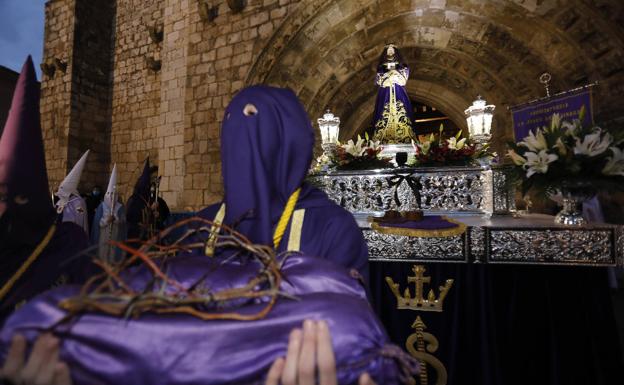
x=330, y=128
x=479, y=118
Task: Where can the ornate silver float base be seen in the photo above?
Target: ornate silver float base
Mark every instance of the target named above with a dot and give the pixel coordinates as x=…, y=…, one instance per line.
x=445, y=190
x=505, y=240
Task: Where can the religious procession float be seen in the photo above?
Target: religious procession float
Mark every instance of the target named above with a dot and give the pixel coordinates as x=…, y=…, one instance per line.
x=451, y=253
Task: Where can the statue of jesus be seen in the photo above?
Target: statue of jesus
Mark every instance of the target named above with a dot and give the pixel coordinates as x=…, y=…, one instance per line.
x=392, y=121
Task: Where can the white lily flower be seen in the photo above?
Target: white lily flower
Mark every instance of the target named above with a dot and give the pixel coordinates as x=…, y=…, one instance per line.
x=560, y=147
x=518, y=159
x=454, y=144
x=538, y=163
x=354, y=149
x=375, y=145
x=534, y=142
x=424, y=147
x=571, y=127
x=593, y=144
x=555, y=122
x=615, y=164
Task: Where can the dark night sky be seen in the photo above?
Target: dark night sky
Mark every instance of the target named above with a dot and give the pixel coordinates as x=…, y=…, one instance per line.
x=21, y=32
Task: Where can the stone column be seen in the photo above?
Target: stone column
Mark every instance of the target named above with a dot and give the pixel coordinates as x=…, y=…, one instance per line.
x=172, y=93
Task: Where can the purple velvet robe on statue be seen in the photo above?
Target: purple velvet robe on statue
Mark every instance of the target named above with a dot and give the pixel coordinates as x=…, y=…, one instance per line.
x=402, y=117
x=383, y=95
x=265, y=159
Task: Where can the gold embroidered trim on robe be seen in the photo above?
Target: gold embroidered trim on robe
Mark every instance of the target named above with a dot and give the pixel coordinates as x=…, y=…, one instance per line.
x=294, y=238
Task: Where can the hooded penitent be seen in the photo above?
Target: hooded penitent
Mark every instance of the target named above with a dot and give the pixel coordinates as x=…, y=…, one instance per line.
x=70, y=205
x=110, y=197
x=266, y=149
x=23, y=176
x=110, y=220
x=272, y=152
x=137, y=207
x=32, y=248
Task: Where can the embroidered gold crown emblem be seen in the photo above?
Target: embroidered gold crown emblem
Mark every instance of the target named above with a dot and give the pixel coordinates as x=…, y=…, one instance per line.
x=418, y=301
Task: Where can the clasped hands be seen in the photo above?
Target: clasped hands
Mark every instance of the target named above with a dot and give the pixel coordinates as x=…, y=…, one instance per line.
x=393, y=77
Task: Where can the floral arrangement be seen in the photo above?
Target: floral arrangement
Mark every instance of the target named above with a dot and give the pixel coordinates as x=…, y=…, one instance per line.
x=437, y=151
x=566, y=154
x=359, y=155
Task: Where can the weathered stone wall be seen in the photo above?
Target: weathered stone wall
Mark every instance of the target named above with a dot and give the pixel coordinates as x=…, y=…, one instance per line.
x=220, y=55
x=56, y=87
x=75, y=90
x=136, y=89
x=172, y=105
x=326, y=51
x=91, y=90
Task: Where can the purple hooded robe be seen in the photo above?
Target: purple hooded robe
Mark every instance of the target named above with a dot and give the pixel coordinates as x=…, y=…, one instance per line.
x=179, y=349
x=265, y=158
x=26, y=213
x=137, y=206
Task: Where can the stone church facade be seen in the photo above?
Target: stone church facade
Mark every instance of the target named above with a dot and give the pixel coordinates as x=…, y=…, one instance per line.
x=135, y=78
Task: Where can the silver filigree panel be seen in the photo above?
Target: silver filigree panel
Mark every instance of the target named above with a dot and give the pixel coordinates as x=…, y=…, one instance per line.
x=619, y=244
x=477, y=244
x=366, y=193
x=504, y=199
x=455, y=191
x=412, y=249
x=551, y=246
x=465, y=190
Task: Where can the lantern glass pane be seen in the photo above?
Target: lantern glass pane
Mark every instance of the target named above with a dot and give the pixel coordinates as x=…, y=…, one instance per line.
x=333, y=133
x=487, y=123
x=324, y=133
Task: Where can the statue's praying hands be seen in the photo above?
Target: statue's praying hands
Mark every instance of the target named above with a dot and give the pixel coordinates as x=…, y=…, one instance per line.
x=393, y=77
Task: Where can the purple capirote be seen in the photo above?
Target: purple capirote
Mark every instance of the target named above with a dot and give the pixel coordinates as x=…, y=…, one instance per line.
x=266, y=156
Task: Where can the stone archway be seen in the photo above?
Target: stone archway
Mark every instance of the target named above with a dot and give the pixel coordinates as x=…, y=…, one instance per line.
x=327, y=51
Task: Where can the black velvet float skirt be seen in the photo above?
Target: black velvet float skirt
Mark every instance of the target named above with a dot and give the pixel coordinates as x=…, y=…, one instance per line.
x=505, y=324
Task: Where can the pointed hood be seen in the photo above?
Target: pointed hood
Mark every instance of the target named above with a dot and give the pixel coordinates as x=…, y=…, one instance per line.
x=111, y=191
x=142, y=186
x=265, y=158
x=69, y=185
x=23, y=176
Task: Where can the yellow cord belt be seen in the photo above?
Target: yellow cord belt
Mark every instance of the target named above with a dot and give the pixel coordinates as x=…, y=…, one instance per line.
x=29, y=261
x=278, y=234
x=285, y=218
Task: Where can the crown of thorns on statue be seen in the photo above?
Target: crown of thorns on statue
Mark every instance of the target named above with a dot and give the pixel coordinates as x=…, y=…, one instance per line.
x=110, y=294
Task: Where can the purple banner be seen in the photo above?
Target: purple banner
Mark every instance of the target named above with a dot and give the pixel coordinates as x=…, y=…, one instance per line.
x=528, y=117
